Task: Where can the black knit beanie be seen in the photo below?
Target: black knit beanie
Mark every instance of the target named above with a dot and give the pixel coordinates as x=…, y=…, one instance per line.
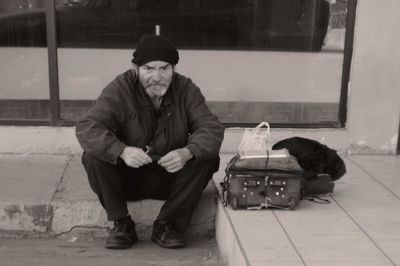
x=155, y=48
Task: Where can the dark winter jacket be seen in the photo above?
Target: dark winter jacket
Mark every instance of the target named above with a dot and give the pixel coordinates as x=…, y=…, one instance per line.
x=124, y=116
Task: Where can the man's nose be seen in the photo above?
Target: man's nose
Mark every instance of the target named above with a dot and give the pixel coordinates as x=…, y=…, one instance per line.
x=156, y=75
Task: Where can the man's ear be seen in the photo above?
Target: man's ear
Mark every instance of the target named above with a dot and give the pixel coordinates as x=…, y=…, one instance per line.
x=135, y=68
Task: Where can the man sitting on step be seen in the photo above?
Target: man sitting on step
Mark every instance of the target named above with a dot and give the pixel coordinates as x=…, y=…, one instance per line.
x=150, y=134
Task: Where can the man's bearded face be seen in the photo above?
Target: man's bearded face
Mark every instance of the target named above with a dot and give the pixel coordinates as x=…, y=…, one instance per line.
x=155, y=77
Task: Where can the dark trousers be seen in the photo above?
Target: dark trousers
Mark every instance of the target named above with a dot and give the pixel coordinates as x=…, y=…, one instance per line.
x=117, y=184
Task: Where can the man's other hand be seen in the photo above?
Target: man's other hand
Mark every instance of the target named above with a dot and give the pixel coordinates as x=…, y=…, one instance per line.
x=175, y=160
x=135, y=157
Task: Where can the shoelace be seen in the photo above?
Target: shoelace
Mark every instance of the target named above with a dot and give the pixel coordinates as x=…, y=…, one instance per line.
x=171, y=230
x=120, y=227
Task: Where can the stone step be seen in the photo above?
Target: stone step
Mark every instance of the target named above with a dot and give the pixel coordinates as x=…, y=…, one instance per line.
x=42, y=195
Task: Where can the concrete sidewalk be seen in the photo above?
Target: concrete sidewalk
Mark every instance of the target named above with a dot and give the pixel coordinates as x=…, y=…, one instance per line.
x=361, y=226
x=65, y=252
x=42, y=195
x=49, y=196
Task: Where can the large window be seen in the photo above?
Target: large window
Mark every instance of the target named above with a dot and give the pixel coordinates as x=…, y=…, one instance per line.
x=274, y=60
x=196, y=24
x=24, y=86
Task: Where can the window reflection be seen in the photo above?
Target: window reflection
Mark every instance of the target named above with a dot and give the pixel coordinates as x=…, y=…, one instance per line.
x=24, y=89
x=244, y=25
x=300, y=25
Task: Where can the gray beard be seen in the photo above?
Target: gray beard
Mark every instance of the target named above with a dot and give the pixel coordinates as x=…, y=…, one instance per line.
x=156, y=91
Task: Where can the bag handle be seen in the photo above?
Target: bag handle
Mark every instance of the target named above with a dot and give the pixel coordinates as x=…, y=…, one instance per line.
x=266, y=134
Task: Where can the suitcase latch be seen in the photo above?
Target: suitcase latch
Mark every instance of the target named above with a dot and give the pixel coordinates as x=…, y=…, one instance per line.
x=252, y=183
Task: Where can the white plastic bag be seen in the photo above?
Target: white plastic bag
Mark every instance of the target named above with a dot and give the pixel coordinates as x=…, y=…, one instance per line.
x=254, y=142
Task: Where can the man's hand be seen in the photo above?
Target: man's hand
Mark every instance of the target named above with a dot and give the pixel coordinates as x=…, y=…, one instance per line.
x=135, y=157
x=175, y=160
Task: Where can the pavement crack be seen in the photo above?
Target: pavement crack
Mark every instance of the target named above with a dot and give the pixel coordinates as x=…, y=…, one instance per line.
x=59, y=185
x=364, y=231
x=81, y=227
x=289, y=238
x=375, y=179
x=50, y=205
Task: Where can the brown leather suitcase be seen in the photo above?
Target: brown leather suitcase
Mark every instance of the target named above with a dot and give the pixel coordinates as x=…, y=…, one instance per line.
x=246, y=191
x=254, y=184
x=283, y=190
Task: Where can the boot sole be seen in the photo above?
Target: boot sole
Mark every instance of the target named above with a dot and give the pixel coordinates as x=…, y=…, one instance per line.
x=168, y=245
x=118, y=246
x=122, y=246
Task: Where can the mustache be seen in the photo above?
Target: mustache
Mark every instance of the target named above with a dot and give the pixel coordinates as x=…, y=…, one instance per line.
x=155, y=84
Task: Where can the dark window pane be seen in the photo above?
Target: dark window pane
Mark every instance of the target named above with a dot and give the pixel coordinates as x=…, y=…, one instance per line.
x=22, y=23
x=241, y=86
x=242, y=112
x=24, y=109
x=24, y=88
x=196, y=24
x=192, y=24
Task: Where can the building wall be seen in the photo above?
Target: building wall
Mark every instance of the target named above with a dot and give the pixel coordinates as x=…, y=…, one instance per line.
x=373, y=103
x=374, y=96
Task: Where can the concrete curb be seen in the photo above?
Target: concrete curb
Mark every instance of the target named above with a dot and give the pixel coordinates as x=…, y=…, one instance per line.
x=47, y=196
x=89, y=218
x=228, y=241
x=25, y=217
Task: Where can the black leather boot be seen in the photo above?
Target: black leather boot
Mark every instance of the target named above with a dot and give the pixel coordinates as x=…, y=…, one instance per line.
x=123, y=235
x=167, y=235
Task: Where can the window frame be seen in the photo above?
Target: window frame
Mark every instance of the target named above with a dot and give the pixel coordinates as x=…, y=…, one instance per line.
x=55, y=115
